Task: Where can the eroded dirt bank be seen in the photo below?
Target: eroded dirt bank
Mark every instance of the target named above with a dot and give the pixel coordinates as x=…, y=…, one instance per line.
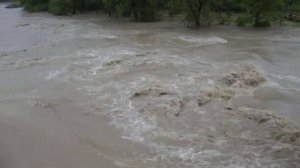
x=87, y=91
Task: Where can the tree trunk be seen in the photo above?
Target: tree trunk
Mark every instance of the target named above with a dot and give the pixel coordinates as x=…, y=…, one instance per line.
x=133, y=7
x=198, y=15
x=82, y=6
x=74, y=6
x=256, y=19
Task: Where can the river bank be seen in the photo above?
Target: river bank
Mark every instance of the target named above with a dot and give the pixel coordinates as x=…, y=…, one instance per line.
x=86, y=91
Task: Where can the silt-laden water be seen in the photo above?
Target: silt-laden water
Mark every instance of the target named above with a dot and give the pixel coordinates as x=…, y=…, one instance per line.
x=88, y=91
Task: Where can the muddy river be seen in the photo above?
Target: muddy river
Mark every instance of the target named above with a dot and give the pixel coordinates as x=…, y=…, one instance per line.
x=88, y=92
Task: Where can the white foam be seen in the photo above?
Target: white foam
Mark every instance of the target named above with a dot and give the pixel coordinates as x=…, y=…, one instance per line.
x=203, y=41
x=210, y=82
x=96, y=35
x=293, y=78
x=53, y=74
x=114, y=97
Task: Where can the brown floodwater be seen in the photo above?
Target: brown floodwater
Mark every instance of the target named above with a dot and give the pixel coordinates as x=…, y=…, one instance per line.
x=87, y=91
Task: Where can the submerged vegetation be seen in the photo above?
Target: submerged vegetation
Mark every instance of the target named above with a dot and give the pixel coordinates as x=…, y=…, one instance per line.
x=195, y=13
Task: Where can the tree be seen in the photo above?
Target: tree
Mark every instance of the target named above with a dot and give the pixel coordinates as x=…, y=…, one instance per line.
x=263, y=12
x=175, y=7
x=199, y=12
x=110, y=6
x=195, y=12
x=144, y=10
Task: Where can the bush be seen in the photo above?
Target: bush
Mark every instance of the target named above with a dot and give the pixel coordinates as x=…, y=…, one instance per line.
x=60, y=7
x=35, y=5
x=145, y=10
x=224, y=19
x=148, y=14
x=242, y=20
x=264, y=23
x=175, y=7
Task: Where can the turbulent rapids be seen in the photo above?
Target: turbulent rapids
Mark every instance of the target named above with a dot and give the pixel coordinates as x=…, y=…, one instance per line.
x=85, y=91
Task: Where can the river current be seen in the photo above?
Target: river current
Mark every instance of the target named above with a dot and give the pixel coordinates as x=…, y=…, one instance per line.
x=87, y=91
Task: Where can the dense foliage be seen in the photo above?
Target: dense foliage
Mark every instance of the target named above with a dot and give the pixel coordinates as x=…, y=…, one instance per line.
x=194, y=12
